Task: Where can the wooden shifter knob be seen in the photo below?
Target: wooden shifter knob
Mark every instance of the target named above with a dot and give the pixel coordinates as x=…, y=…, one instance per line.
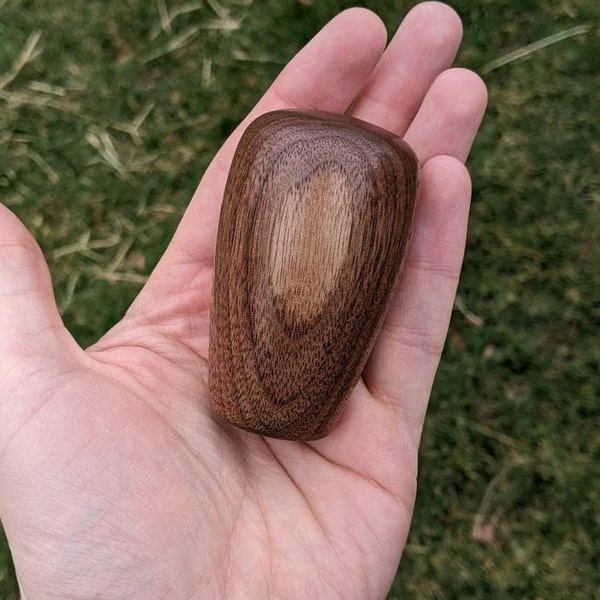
x=314, y=225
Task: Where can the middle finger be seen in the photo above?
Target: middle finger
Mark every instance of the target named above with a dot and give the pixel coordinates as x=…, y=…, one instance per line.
x=424, y=45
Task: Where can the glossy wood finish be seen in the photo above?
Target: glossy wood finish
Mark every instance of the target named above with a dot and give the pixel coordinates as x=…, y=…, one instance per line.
x=314, y=226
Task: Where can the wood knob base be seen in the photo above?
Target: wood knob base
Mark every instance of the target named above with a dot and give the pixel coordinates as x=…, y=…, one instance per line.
x=315, y=223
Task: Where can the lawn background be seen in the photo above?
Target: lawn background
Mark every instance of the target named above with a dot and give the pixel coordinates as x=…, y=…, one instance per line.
x=106, y=129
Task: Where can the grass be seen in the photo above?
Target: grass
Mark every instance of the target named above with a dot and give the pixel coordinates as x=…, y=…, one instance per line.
x=109, y=112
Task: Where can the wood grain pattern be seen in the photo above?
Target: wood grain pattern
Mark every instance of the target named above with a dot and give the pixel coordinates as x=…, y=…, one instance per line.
x=314, y=225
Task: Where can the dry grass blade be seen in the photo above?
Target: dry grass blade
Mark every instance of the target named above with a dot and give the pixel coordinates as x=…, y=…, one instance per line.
x=133, y=128
x=218, y=9
x=206, y=72
x=487, y=432
x=174, y=44
x=484, y=524
x=101, y=141
x=46, y=88
x=225, y=24
x=243, y=56
x=185, y=9
x=26, y=56
x=119, y=276
x=43, y=165
x=120, y=255
x=69, y=291
x=224, y=21
x=535, y=46
x=85, y=244
x=165, y=18
x=39, y=101
x=472, y=318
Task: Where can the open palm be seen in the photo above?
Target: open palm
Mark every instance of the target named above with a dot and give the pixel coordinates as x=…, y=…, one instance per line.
x=115, y=479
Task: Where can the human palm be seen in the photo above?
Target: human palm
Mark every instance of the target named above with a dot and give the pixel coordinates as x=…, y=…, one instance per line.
x=116, y=481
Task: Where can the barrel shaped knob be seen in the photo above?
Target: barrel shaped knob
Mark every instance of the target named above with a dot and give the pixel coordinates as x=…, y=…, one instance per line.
x=315, y=222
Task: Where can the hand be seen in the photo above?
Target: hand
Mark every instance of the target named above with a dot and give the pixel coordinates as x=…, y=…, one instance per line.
x=116, y=481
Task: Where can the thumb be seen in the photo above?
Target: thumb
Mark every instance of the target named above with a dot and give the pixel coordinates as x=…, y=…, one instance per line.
x=30, y=324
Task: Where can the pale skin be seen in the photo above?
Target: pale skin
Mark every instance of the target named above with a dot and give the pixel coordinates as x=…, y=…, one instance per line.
x=116, y=481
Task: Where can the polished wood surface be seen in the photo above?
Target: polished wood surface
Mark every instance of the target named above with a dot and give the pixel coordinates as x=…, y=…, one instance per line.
x=314, y=225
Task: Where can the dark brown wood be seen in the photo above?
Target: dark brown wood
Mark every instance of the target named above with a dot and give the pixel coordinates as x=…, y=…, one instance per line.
x=314, y=225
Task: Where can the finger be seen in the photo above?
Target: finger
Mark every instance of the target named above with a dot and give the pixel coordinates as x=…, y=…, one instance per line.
x=326, y=75
x=33, y=338
x=29, y=319
x=424, y=45
x=449, y=116
x=402, y=365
